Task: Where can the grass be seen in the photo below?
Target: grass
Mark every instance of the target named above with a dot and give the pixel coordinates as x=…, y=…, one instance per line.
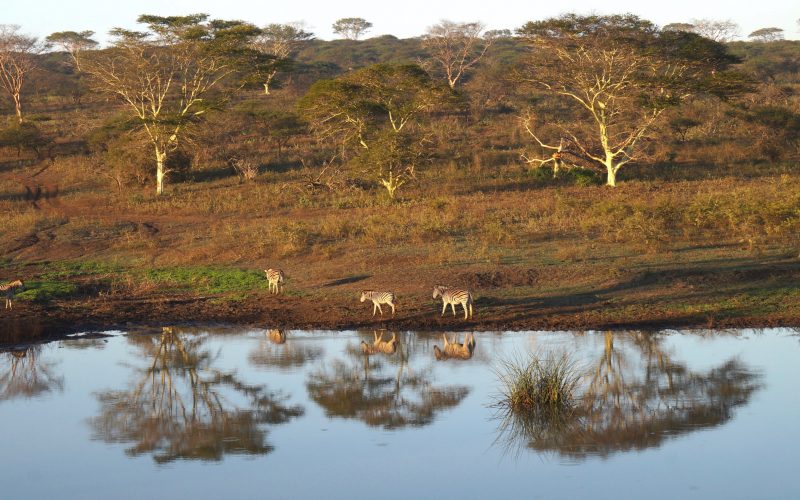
x=537, y=398
x=542, y=386
x=44, y=291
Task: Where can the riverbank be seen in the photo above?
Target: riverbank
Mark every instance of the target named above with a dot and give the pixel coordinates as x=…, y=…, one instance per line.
x=757, y=294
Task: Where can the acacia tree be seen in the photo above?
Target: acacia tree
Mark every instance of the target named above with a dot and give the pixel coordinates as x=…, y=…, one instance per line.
x=456, y=47
x=766, y=35
x=719, y=31
x=279, y=41
x=17, y=60
x=73, y=43
x=375, y=113
x=169, y=76
x=621, y=73
x=351, y=28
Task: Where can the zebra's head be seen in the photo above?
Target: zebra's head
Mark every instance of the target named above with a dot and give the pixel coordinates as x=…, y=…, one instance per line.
x=438, y=290
x=364, y=295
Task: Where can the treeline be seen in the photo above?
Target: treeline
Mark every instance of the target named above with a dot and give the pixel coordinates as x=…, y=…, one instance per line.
x=572, y=99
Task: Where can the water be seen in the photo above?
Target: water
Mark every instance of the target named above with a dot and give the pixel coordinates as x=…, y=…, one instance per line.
x=232, y=413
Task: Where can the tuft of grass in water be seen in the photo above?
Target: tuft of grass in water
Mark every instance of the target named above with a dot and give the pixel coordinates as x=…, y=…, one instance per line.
x=43, y=291
x=542, y=385
x=537, y=398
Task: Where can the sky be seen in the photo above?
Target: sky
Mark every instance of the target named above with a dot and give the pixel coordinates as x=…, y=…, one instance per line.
x=403, y=18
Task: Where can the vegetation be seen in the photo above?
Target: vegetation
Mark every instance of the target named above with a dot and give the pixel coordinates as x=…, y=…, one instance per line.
x=365, y=163
x=543, y=385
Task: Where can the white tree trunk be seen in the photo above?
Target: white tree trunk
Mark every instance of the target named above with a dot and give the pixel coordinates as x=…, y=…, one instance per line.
x=612, y=174
x=161, y=158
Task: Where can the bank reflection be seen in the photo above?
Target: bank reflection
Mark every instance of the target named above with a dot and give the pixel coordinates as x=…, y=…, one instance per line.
x=634, y=396
x=28, y=373
x=179, y=405
x=379, y=388
x=278, y=349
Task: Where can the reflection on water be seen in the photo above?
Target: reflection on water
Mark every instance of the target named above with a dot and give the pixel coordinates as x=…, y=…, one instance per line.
x=275, y=351
x=27, y=373
x=179, y=406
x=635, y=396
x=380, y=390
x=302, y=414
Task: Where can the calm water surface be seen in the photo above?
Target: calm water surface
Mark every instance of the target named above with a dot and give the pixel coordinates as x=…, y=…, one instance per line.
x=233, y=413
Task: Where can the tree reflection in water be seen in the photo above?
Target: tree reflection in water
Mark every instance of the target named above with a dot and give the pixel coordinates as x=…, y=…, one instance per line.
x=278, y=349
x=26, y=373
x=635, y=396
x=371, y=389
x=180, y=406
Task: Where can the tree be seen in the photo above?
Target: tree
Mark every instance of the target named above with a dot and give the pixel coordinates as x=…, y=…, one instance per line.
x=17, y=59
x=351, y=28
x=456, y=47
x=621, y=73
x=766, y=35
x=688, y=27
x=280, y=41
x=167, y=76
x=719, y=31
x=73, y=43
x=375, y=113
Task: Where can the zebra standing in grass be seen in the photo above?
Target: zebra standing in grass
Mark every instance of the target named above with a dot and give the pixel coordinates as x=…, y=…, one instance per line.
x=275, y=278
x=377, y=299
x=453, y=296
x=9, y=289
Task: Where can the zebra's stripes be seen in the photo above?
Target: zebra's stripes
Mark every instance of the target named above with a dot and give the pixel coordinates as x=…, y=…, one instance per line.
x=452, y=296
x=275, y=278
x=377, y=299
x=9, y=289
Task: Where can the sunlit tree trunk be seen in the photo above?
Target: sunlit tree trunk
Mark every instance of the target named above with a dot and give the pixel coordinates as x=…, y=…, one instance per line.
x=161, y=158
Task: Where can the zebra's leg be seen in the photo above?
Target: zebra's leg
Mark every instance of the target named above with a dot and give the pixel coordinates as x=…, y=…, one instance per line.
x=444, y=307
x=379, y=308
x=464, y=305
x=470, y=309
x=374, y=308
x=392, y=304
x=453, y=307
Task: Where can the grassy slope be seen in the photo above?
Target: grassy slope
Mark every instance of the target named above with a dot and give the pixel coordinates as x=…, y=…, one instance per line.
x=718, y=251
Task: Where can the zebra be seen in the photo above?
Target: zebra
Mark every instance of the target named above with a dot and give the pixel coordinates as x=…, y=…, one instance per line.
x=10, y=289
x=275, y=277
x=453, y=296
x=377, y=299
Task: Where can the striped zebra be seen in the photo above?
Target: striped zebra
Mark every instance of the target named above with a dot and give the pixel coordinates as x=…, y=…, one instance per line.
x=275, y=278
x=377, y=299
x=453, y=296
x=9, y=289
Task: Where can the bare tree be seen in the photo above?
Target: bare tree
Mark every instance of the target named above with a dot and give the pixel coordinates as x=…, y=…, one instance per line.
x=280, y=41
x=456, y=47
x=719, y=31
x=351, y=28
x=620, y=72
x=687, y=27
x=766, y=35
x=73, y=43
x=166, y=76
x=17, y=59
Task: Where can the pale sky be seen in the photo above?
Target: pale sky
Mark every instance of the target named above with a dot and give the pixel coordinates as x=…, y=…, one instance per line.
x=403, y=18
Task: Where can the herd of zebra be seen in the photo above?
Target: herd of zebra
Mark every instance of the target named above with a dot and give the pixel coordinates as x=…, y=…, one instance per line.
x=450, y=296
x=276, y=279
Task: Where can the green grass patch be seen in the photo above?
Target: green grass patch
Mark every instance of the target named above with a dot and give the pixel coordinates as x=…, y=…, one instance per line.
x=206, y=279
x=43, y=291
